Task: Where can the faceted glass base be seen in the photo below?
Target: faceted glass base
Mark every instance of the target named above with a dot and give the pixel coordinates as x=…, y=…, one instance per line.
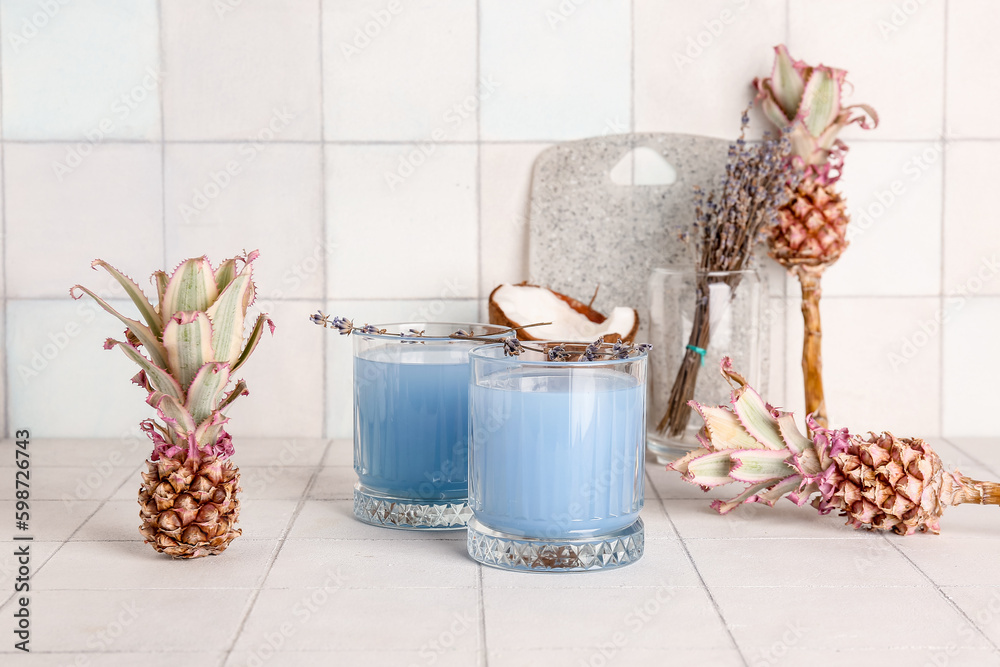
x=663, y=449
x=380, y=509
x=599, y=552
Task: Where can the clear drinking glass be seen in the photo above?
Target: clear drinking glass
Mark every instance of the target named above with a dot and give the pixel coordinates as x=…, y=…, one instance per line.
x=729, y=309
x=411, y=424
x=556, y=461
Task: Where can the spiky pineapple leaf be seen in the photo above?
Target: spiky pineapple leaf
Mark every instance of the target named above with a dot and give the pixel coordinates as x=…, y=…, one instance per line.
x=160, y=379
x=753, y=466
x=206, y=389
x=786, y=84
x=191, y=288
x=755, y=416
x=239, y=390
x=143, y=334
x=726, y=506
x=776, y=492
x=225, y=274
x=188, y=341
x=208, y=431
x=791, y=435
x=724, y=429
x=135, y=293
x=228, y=314
x=177, y=418
x=161, y=280
x=255, y=334
x=820, y=100
x=710, y=470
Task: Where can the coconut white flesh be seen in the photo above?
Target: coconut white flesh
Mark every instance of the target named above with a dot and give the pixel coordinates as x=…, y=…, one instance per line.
x=526, y=305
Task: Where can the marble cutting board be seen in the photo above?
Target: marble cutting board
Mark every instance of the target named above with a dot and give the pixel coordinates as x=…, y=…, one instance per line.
x=595, y=218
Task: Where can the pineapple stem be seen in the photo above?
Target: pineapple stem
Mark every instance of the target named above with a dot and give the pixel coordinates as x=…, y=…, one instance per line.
x=812, y=353
x=976, y=492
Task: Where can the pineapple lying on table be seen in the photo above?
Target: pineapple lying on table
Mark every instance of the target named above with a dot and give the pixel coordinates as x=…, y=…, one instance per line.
x=187, y=351
x=879, y=483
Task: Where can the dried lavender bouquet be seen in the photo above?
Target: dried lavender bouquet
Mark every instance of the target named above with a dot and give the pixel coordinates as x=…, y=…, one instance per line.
x=728, y=222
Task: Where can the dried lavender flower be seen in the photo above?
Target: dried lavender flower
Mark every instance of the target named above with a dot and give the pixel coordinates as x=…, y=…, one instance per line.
x=512, y=346
x=343, y=325
x=558, y=353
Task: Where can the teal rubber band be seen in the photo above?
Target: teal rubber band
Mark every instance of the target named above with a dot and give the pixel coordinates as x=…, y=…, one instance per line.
x=699, y=350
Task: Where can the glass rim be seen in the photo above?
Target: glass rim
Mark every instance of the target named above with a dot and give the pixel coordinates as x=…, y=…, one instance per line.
x=481, y=352
x=672, y=269
x=493, y=331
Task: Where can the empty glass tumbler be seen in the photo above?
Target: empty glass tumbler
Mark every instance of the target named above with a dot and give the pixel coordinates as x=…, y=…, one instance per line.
x=556, y=461
x=411, y=424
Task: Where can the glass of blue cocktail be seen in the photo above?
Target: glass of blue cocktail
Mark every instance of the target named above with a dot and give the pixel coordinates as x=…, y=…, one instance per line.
x=411, y=423
x=556, y=460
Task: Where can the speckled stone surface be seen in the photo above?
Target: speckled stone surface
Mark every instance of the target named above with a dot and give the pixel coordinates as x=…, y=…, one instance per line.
x=587, y=230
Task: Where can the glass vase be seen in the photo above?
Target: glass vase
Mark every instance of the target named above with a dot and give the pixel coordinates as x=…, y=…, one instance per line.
x=411, y=424
x=556, y=461
x=695, y=319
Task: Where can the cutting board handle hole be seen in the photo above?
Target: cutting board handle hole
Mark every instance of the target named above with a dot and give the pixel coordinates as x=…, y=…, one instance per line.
x=643, y=166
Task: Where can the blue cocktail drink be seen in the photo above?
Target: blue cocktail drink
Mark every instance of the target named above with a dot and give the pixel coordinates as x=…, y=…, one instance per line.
x=411, y=421
x=556, y=461
x=411, y=425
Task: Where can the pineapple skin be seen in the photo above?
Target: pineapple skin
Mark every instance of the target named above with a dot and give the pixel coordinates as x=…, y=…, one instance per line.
x=189, y=508
x=811, y=228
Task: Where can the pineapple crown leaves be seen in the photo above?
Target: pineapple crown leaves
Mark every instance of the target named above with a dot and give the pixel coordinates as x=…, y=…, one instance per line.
x=805, y=102
x=752, y=443
x=193, y=343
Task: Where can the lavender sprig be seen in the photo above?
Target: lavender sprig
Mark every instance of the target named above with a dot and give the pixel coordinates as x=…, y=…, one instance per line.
x=597, y=351
x=730, y=219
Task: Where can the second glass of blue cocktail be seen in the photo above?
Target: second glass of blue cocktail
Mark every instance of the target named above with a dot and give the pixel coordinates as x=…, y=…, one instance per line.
x=411, y=423
x=556, y=459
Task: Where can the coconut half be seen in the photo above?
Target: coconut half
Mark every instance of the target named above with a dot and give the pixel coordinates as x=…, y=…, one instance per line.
x=572, y=321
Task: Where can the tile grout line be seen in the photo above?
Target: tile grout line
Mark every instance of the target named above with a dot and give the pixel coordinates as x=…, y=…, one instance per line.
x=324, y=232
x=76, y=530
x=163, y=137
x=252, y=602
x=974, y=459
x=479, y=170
x=944, y=193
x=945, y=596
x=419, y=142
x=631, y=120
x=704, y=586
x=485, y=657
x=832, y=297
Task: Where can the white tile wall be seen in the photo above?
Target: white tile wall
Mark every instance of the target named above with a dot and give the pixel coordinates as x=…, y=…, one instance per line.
x=379, y=154
x=400, y=71
x=57, y=222
x=241, y=70
x=560, y=71
x=894, y=59
x=970, y=47
x=86, y=70
x=681, y=46
x=223, y=197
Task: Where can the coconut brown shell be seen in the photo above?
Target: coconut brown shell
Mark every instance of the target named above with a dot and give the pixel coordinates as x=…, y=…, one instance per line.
x=497, y=316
